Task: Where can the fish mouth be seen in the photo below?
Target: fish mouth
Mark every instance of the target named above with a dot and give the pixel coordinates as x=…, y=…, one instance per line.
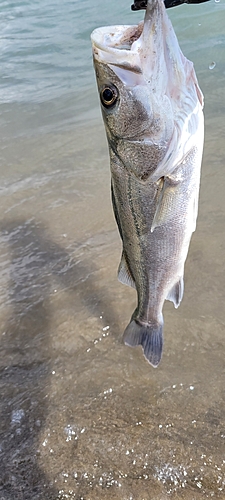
x=138, y=48
x=113, y=45
x=123, y=38
x=118, y=38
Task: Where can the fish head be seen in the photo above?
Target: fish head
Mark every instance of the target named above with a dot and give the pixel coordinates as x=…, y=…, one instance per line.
x=144, y=84
x=129, y=108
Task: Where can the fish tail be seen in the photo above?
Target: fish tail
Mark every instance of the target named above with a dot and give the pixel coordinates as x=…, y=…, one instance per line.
x=150, y=337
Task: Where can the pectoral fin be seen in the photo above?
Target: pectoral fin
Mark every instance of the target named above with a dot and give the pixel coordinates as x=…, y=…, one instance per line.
x=124, y=273
x=175, y=295
x=167, y=200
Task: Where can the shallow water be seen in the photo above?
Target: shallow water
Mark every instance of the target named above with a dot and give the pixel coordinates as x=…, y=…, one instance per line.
x=83, y=416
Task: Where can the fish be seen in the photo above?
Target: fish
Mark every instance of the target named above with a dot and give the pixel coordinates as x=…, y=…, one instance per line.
x=152, y=109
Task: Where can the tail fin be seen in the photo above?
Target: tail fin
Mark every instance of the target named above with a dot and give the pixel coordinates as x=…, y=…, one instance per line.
x=150, y=337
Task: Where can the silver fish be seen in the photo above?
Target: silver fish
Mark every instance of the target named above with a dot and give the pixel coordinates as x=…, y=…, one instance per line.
x=152, y=110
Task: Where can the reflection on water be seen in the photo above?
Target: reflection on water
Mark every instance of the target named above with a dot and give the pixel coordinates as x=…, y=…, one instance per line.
x=82, y=416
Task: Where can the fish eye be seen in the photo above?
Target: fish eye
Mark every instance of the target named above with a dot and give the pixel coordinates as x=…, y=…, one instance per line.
x=109, y=96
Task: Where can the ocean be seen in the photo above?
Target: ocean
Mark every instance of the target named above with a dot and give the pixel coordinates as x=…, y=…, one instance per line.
x=83, y=416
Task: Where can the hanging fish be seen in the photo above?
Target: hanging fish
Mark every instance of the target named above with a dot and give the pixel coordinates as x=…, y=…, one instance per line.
x=152, y=109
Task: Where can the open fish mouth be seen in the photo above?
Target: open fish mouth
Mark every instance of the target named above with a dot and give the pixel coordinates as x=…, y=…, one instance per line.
x=147, y=53
x=117, y=44
x=114, y=45
x=117, y=37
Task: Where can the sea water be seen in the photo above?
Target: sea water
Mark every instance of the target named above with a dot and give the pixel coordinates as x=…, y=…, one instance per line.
x=83, y=416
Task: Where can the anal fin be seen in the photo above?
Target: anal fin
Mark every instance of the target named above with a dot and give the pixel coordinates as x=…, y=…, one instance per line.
x=175, y=295
x=124, y=274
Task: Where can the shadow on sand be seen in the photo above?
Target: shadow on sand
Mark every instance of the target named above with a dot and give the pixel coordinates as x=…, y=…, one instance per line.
x=35, y=263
